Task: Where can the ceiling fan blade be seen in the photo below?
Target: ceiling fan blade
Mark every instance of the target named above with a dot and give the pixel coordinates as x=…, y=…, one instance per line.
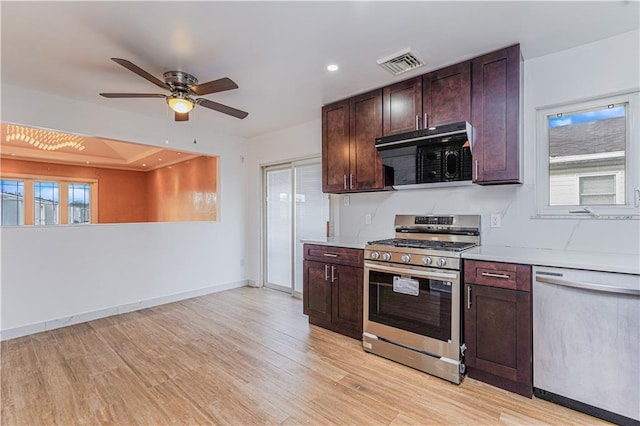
x=182, y=116
x=221, y=108
x=142, y=73
x=214, y=86
x=133, y=95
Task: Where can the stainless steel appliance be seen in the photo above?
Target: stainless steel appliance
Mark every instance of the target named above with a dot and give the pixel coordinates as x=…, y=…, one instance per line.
x=412, y=292
x=427, y=156
x=586, y=340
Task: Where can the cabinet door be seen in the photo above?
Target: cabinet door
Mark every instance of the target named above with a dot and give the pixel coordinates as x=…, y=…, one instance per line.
x=402, y=106
x=447, y=95
x=498, y=333
x=365, y=126
x=495, y=116
x=317, y=291
x=347, y=300
x=335, y=146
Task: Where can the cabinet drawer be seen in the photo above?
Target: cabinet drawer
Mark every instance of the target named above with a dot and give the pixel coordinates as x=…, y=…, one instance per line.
x=496, y=274
x=335, y=255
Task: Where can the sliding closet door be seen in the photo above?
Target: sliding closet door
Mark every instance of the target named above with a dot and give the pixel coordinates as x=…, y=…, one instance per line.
x=295, y=209
x=279, y=228
x=311, y=212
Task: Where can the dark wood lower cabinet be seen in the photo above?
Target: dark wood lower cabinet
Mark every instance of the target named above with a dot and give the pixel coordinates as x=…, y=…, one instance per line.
x=317, y=292
x=497, y=326
x=332, y=292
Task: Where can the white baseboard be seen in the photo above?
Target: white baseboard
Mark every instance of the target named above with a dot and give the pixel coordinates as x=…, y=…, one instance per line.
x=12, y=333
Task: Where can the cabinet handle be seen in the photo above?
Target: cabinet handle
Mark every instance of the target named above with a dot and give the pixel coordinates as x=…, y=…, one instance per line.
x=326, y=272
x=417, y=122
x=636, y=194
x=351, y=181
x=344, y=181
x=468, y=297
x=476, y=170
x=333, y=273
x=426, y=121
x=330, y=254
x=492, y=275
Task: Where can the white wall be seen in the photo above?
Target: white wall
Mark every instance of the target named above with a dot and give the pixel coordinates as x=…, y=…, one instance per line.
x=63, y=271
x=599, y=68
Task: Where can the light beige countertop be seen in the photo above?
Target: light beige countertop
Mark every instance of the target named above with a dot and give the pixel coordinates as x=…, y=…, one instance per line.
x=338, y=242
x=594, y=261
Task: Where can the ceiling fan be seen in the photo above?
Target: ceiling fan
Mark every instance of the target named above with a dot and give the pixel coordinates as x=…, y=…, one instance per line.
x=184, y=88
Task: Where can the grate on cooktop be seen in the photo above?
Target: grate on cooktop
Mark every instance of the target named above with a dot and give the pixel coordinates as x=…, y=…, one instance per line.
x=425, y=244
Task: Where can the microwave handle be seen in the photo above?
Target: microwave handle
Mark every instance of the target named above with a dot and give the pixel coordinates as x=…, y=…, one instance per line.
x=398, y=271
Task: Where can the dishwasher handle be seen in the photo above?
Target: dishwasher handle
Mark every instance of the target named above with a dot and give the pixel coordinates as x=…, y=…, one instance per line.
x=588, y=286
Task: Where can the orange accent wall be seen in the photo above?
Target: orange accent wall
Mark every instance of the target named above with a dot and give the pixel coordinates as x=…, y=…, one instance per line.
x=186, y=191
x=121, y=193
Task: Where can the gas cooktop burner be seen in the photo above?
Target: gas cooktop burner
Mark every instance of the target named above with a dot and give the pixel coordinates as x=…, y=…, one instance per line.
x=425, y=244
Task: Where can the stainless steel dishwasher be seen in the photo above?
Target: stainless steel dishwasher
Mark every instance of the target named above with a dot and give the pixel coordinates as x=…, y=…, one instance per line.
x=586, y=341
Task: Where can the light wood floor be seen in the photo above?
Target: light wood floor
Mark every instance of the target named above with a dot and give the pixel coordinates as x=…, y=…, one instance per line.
x=241, y=357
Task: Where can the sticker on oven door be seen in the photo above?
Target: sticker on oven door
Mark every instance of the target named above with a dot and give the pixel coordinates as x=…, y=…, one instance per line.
x=406, y=286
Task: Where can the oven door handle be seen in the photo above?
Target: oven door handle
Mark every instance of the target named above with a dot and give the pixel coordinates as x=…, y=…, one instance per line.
x=411, y=271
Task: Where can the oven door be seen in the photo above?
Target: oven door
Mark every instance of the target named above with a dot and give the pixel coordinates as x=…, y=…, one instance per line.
x=414, y=306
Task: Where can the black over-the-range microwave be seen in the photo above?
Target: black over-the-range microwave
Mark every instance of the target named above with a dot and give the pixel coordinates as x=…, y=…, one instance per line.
x=427, y=156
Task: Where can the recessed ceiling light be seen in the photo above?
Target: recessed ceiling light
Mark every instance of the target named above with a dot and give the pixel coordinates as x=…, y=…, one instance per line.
x=144, y=165
x=332, y=67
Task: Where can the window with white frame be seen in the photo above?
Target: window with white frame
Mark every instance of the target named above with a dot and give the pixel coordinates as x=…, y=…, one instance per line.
x=588, y=158
x=12, y=207
x=46, y=203
x=35, y=200
x=597, y=190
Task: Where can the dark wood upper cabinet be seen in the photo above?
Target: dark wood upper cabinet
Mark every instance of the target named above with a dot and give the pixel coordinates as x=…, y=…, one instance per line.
x=495, y=116
x=335, y=146
x=402, y=106
x=485, y=91
x=365, y=126
x=350, y=161
x=446, y=95
x=437, y=98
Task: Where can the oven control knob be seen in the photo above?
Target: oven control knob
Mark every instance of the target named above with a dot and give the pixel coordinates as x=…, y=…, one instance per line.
x=375, y=255
x=386, y=256
x=442, y=261
x=426, y=260
x=406, y=258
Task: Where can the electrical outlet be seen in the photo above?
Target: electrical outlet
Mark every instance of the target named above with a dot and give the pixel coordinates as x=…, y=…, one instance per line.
x=367, y=219
x=346, y=200
x=496, y=220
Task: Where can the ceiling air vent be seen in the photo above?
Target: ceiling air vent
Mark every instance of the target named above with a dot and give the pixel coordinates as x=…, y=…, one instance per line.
x=400, y=62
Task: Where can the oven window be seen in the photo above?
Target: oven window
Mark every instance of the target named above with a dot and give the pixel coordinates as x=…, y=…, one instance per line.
x=428, y=313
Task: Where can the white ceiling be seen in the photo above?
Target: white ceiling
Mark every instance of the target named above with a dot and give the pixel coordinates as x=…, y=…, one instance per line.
x=277, y=52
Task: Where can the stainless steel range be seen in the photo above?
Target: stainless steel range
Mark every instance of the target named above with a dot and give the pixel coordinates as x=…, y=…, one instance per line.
x=412, y=292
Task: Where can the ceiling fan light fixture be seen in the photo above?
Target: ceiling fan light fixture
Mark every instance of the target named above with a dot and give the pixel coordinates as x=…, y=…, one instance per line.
x=180, y=103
